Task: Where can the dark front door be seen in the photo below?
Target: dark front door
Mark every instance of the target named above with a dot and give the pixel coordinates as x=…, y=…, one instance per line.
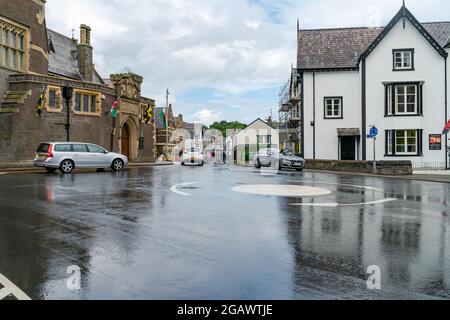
x=126, y=141
x=348, y=148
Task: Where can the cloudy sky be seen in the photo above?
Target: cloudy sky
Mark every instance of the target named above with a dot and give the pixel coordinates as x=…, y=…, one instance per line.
x=221, y=60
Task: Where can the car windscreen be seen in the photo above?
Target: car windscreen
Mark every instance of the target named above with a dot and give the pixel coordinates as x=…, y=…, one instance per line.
x=43, y=147
x=288, y=153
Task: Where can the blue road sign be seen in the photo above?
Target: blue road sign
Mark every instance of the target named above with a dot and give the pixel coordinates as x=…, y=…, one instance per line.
x=373, y=132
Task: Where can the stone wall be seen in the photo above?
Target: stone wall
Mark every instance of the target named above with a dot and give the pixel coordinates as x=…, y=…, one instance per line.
x=394, y=168
x=32, y=15
x=23, y=131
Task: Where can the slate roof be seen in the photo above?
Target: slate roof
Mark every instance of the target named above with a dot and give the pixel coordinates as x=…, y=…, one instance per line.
x=64, y=61
x=440, y=31
x=63, y=57
x=341, y=48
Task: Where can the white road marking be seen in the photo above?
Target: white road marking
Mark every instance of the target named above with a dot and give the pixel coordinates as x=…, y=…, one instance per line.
x=335, y=205
x=282, y=190
x=340, y=184
x=11, y=289
x=174, y=189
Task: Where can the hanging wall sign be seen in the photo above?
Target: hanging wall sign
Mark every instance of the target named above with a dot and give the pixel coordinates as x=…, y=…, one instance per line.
x=435, y=142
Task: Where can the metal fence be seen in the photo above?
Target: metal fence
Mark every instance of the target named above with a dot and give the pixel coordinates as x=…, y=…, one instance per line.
x=429, y=166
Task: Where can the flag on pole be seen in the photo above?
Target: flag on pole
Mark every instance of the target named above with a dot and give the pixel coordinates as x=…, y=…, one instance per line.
x=446, y=128
x=115, y=108
x=40, y=104
x=163, y=117
x=148, y=114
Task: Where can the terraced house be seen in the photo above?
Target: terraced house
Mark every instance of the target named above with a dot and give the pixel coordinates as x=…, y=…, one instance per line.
x=36, y=65
x=393, y=77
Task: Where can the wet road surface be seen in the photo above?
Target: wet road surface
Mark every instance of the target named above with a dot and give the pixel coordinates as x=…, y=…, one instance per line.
x=186, y=233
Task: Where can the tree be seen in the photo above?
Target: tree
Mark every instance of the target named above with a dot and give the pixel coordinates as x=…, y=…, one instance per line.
x=224, y=126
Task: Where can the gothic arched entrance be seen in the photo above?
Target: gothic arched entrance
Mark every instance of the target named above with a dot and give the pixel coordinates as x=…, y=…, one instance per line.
x=129, y=143
x=126, y=140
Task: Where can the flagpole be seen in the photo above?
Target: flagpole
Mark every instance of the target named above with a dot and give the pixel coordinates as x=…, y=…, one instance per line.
x=167, y=125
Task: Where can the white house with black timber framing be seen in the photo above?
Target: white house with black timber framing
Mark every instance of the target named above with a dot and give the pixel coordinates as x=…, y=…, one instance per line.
x=393, y=77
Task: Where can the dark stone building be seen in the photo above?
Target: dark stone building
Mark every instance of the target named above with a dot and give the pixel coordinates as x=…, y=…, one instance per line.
x=33, y=60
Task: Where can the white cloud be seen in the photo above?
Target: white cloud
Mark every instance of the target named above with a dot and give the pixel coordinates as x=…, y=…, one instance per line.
x=230, y=47
x=182, y=44
x=206, y=117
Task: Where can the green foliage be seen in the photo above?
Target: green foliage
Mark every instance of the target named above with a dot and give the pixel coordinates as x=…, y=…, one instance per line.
x=225, y=125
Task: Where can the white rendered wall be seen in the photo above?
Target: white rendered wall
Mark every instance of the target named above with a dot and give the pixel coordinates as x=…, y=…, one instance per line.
x=429, y=67
x=344, y=84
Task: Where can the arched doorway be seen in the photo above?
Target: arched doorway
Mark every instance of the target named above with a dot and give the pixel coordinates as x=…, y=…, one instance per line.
x=130, y=139
x=126, y=140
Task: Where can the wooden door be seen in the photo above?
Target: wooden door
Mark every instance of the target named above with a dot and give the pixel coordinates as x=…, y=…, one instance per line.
x=126, y=141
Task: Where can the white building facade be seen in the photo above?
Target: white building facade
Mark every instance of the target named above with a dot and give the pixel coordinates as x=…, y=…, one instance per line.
x=257, y=136
x=394, y=78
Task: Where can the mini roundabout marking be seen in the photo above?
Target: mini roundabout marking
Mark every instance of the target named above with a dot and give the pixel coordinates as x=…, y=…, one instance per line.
x=300, y=191
x=282, y=190
x=174, y=189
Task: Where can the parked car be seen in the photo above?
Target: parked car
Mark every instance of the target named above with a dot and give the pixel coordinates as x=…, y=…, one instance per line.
x=67, y=156
x=275, y=158
x=193, y=156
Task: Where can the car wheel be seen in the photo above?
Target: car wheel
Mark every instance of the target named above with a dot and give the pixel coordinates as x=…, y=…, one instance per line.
x=299, y=170
x=67, y=166
x=258, y=164
x=50, y=170
x=183, y=164
x=117, y=165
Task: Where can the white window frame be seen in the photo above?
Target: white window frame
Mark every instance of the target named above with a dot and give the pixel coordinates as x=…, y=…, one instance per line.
x=405, y=97
x=400, y=56
x=260, y=139
x=406, y=144
x=334, y=107
x=390, y=108
x=390, y=144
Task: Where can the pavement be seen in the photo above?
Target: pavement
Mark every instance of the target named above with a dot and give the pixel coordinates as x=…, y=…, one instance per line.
x=28, y=169
x=208, y=233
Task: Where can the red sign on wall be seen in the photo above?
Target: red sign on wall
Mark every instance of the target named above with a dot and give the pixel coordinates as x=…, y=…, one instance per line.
x=435, y=142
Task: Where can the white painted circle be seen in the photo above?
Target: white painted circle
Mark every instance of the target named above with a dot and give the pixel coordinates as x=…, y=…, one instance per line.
x=282, y=190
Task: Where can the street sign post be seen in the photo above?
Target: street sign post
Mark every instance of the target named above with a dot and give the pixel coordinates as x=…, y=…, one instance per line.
x=373, y=133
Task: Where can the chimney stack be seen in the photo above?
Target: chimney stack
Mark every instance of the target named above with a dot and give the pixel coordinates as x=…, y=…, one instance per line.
x=85, y=35
x=85, y=54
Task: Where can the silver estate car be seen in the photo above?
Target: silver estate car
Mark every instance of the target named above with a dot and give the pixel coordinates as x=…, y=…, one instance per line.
x=277, y=159
x=67, y=156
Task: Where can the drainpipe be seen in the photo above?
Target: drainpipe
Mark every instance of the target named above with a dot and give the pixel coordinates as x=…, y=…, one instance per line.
x=314, y=115
x=363, y=111
x=446, y=115
x=302, y=107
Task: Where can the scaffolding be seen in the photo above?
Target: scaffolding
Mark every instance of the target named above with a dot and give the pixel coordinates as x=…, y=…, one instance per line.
x=289, y=113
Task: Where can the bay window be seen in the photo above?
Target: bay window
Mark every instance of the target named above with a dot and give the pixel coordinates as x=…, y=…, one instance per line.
x=12, y=46
x=404, y=142
x=404, y=99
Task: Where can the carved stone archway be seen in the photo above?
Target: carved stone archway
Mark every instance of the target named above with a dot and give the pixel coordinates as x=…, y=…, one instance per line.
x=129, y=125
